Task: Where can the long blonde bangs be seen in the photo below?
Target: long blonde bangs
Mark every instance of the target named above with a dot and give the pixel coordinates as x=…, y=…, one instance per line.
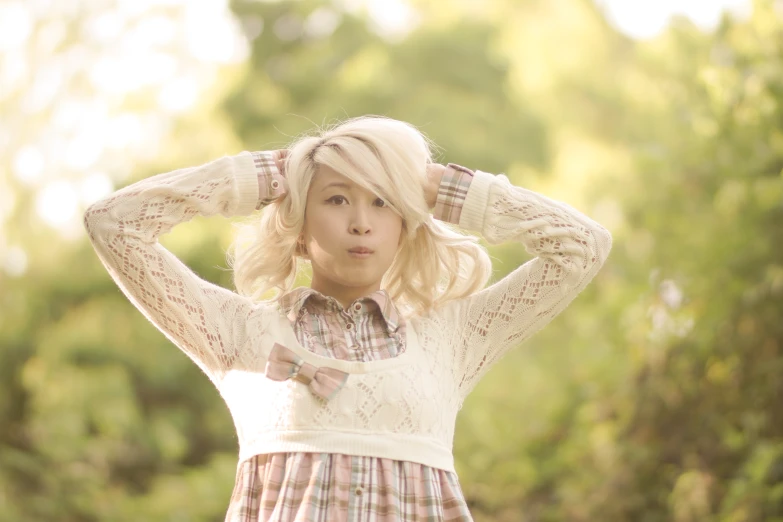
x=435, y=263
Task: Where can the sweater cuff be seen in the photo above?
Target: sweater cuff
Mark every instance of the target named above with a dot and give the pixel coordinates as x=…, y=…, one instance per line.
x=247, y=184
x=474, y=208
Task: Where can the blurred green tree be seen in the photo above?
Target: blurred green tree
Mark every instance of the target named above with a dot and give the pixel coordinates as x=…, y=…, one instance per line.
x=654, y=397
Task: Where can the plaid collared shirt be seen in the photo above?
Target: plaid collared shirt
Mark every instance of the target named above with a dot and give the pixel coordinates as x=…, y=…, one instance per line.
x=369, y=329
x=304, y=487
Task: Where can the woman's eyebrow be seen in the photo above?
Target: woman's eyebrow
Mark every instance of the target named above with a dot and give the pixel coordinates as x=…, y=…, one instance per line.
x=336, y=184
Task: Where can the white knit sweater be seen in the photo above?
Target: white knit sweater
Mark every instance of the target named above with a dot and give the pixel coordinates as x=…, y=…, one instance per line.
x=402, y=408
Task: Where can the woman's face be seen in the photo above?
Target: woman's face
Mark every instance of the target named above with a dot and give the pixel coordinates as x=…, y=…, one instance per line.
x=341, y=217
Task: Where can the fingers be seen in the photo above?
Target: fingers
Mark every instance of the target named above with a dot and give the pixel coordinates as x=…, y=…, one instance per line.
x=280, y=157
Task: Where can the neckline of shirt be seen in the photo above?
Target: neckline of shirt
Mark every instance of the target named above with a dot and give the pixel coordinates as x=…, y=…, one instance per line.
x=287, y=333
x=294, y=301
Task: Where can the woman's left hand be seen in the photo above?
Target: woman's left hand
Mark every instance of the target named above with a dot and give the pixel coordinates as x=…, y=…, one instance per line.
x=434, y=174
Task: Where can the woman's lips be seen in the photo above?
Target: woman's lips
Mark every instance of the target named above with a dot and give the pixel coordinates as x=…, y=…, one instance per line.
x=360, y=252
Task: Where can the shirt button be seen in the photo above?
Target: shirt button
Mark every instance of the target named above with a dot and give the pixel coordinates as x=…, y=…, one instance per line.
x=357, y=307
x=359, y=491
x=349, y=326
x=275, y=184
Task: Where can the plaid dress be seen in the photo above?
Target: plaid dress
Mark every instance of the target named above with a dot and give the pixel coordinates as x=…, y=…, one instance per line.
x=324, y=487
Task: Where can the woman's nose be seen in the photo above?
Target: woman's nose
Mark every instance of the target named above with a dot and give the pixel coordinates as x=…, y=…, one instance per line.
x=360, y=222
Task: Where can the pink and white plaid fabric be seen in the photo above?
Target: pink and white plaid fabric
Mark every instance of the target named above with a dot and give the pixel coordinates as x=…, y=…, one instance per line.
x=451, y=193
x=370, y=329
x=323, y=487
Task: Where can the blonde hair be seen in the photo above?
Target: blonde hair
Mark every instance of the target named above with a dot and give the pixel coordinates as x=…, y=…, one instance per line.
x=434, y=263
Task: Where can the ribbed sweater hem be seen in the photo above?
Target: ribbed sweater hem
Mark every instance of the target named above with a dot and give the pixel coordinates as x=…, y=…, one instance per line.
x=392, y=446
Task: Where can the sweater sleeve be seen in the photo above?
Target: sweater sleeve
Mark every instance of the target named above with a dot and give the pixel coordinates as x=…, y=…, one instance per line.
x=204, y=320
x=570, y=248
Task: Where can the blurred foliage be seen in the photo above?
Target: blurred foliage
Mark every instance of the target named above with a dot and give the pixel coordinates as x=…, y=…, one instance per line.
x=656, y=396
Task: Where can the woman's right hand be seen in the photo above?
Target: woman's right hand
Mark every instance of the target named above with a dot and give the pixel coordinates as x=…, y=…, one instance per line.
x=280, y=155
x=432, y=185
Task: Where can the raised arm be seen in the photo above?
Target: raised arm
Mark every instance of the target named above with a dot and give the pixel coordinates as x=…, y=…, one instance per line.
x=204, y=320
x=569, y=247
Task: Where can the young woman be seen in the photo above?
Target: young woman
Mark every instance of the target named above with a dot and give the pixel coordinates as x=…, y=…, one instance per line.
x=345, y=393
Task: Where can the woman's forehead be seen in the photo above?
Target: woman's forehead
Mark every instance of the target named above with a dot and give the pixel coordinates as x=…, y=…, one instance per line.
x=325, y=174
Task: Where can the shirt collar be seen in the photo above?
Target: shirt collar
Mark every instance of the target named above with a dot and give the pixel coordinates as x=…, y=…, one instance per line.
x=292, y=302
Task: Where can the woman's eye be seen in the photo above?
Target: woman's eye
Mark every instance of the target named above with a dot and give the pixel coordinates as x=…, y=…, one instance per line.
x=380, y=202
x=336, y=199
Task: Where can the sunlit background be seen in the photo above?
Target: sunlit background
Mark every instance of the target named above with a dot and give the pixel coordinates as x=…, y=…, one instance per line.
x=170, y=54
x=654, y=397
